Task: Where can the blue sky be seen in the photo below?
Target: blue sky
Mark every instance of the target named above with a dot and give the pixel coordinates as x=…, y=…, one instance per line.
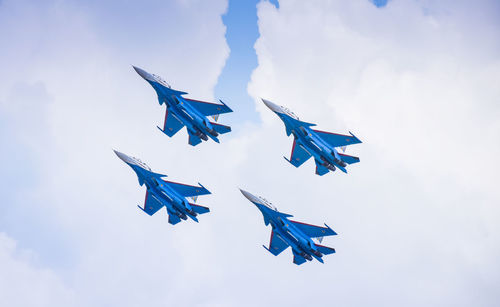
x=241, y=34
x=418, y=219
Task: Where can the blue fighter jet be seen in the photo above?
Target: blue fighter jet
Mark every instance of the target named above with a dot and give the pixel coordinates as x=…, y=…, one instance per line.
x=191, y=113
x=162, y=193
x=286, y=233
x=319, y=144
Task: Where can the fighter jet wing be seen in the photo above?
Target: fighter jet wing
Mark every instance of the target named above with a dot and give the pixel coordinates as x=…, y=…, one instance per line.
x=299, y=155
x=172, y=125
x=151, y=204
x=187, y=190
x=337, y=140
x=276, y=244
x=314, y=231
x=209, y=108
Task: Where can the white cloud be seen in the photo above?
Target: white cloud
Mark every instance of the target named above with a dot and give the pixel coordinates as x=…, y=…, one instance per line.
x=416, y=82
x=416, y=226
x=68, y=96
x=24, y=283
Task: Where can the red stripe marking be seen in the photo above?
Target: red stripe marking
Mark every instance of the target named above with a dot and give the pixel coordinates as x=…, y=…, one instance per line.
x=347, y=155
x=198, y=206
x=271, y=240
x=146, y=200
x=165, y=123
x=293, y=148
x=220, y=125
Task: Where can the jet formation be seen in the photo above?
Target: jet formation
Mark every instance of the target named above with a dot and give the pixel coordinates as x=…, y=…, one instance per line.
x=295, y=234
x=161, y=193
x=182, y=112
x=309, y=143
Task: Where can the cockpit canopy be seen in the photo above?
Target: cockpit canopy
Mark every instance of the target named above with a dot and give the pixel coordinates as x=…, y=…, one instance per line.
x=141, y=164
x=266, y=203
x=161, y=81
x=289, y=112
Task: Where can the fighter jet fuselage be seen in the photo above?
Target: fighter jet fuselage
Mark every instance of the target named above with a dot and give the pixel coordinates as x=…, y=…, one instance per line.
x=161, y=193
x=186, y=112
x=195, y=122
x=314, y=143
x=157, y=189
x=299, y=243
x=167, y=196
x=286, y=233
x=316, y=146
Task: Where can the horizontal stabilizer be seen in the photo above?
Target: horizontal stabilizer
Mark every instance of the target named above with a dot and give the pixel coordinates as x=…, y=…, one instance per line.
x=337, y=140
x=173, y=219
x=349, y=159
x=320, y=169
x=298, y=259
x=313, y=231
x=199, y=209
x=325, y=250
x=193, y=139
x=187, y=190
x=209, y=108
x=221, y=129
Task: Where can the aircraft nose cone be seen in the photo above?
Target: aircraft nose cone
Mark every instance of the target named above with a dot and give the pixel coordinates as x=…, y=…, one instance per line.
x=122, y=156
x=272, y=106
x=144, y=74
x=249, y=196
